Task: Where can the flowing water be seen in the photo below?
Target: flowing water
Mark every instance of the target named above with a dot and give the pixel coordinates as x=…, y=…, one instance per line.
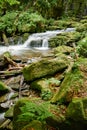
x=35, y=42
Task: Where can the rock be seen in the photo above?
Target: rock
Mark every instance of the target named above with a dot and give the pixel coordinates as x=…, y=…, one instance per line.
x=77, y=109
x=43, y=68
x=35, y=125
x=3, y=88
x=74, y=83
x=66, y=38
x=82, y=27
x=46, y=87
x=82, y=47
x=26, y=111
x=17, y=111
x=63, y=49
x=76, y=114
x=9, y=113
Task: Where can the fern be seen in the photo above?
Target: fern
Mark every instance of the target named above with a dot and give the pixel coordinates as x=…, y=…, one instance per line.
x=32, y=111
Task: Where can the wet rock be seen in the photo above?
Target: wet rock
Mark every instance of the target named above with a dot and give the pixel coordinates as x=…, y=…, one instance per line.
x=43, y=68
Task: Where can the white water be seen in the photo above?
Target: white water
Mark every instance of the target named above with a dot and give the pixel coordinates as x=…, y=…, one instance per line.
x=38, y=41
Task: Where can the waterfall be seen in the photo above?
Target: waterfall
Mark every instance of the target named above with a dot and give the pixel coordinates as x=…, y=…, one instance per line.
x=35, y=41
x=45, y=43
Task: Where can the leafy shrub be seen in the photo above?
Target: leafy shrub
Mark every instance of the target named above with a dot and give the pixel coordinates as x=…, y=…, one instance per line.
x=7, y=22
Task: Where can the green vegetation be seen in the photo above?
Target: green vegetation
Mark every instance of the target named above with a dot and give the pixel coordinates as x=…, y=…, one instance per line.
x=31, y=111
x=19, y=16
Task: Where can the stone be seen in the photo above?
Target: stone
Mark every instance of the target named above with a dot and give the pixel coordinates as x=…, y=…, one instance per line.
x=3, y=88
x=63, y=49
x=74, y=83
x=46, y=87
x=82, y=47
x=29, y=111
x=35, y=125
x=43, y=68
x=9, y=113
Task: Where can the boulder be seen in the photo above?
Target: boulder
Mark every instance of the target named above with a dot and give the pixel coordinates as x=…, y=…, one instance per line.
x=9, y=113
x=34, y=125
x=82, y=47
x=66, y=38
x=74, y=83
x=43, y=68
x=77, y=109
x=46, y=87
x=63, y=49
x=29, y=111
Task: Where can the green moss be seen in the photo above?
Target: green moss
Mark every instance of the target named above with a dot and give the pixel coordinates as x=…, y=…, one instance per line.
x=3, y=88
x=82, y=47
x=66, y=38
x=43, y=68
x=35, y=125
x=70, y=85
x=16, y=112
x=75, y=110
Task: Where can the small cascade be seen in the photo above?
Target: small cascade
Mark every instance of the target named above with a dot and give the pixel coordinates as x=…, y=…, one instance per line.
x=45, y=43
x=35, y=41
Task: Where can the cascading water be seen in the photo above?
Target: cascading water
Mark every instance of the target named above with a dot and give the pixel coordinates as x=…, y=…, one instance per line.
x=37, y=41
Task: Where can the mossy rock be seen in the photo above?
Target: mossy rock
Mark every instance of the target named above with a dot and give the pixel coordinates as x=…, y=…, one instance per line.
x=45, y=86
x=82, y=27
x=43, y=68
x=74, y=83
x=26, y=111
x=63, y=49
x=66, y=38
x=9, y=113
x=77, y=110
x=16, y=112
x=82, y=47
x=3, y=88
x=35, y=125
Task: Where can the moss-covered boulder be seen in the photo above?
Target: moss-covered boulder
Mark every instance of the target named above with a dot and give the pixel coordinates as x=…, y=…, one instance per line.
x=74, y=83
x=9, y=113
x=16, y=112
x=82, y=27
x=43, y=68
x=46, y=87
x=82, y=47
x=77, y=110
x=35, y=125
x=28, y=112
x=3, y=88
x=66, y=38
x=63, y=49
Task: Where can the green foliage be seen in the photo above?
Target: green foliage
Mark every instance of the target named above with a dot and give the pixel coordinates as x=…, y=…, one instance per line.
x=7, y=22
x=30, y=22
x=54, y=81
x=46, y=95
x=22, y=22
x=32, y=111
